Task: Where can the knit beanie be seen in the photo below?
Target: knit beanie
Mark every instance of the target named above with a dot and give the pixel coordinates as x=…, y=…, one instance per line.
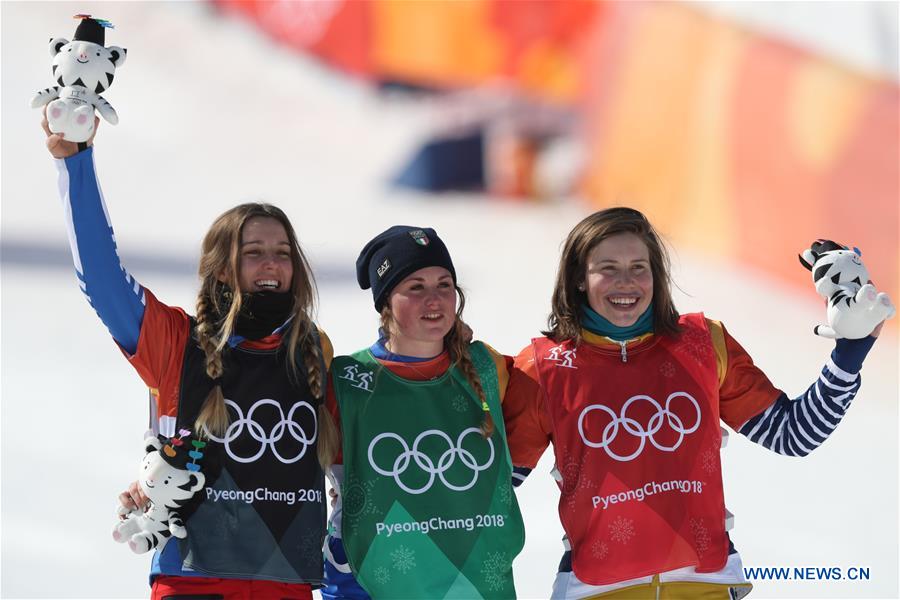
x=394, y=254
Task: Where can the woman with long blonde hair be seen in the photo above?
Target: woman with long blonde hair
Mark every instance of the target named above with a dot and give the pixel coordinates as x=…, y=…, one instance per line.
x=246, y=374
x=426, y=507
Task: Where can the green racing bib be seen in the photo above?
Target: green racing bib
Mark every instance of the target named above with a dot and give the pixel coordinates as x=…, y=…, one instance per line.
x=428, y=505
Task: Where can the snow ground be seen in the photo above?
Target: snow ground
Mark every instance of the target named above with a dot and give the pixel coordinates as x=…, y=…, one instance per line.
x=212, y=115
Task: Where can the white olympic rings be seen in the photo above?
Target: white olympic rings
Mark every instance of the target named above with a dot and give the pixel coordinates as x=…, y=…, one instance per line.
x=258, y=433
x=425, y=463
x=636, y=429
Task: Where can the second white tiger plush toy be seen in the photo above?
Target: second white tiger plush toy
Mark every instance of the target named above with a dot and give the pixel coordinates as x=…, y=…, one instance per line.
x=83, y=68
x=855, y=307
x=169, y=477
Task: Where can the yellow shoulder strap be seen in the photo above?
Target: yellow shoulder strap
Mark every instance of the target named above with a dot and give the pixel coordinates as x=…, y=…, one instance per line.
x=502, y=373
x=718, y=340
x=327, y=348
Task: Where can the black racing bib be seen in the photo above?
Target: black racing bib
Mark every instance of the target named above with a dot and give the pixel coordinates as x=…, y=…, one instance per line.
x=262, y=512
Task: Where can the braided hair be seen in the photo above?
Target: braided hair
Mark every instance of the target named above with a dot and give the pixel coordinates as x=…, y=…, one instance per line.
x=215, y=319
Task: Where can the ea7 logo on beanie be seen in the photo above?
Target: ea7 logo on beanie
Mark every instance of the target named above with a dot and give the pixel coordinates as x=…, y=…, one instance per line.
x=419, y=236
x=383, y=268
x=398, y=252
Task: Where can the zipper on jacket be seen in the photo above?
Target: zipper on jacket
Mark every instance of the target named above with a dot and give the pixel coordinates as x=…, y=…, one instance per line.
x=623, y=345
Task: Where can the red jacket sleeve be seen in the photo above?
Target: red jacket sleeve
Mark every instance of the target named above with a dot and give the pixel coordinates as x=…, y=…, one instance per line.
x=332, y=406
x=528, y=430
x=745, y=390
x=160, y=352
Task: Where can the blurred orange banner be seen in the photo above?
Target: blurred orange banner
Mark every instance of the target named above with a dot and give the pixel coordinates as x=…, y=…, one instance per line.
x=532, y=44
x=732, y=142
x=739, y=145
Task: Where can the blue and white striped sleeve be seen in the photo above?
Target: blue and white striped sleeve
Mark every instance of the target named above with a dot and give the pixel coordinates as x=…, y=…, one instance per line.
x=519, y=475
x=799, y=426
x=113, y=293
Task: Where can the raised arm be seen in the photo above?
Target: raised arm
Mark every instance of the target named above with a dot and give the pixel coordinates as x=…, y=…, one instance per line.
x=113, y=293
x=798, y=426
x=750, y=404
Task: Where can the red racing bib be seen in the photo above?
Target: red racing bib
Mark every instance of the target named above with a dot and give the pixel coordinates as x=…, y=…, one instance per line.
x=637, y=443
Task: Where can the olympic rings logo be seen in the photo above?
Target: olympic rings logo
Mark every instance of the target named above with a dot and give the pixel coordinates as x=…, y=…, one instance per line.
x=424, y=462
x=634, y=428
x=287, y=424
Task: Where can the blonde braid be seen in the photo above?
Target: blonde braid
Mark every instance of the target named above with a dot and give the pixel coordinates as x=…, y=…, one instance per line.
x=457, y=343
x=312, y=357
x=302, y=335
x=459, y=354
x=213, y=417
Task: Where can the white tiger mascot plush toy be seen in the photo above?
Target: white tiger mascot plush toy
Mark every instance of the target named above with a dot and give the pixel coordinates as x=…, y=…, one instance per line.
x=169, y=481
x=855, y=307
x=83, y=68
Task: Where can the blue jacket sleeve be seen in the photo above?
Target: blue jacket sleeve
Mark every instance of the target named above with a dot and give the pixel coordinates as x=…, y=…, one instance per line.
x=113, y=293
x=799, y=426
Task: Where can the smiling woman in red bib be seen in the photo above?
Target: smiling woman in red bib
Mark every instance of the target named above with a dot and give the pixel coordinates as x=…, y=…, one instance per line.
x=631, y=394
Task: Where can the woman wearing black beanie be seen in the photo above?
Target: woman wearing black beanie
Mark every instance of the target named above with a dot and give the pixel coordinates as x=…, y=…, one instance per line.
x=426, y=507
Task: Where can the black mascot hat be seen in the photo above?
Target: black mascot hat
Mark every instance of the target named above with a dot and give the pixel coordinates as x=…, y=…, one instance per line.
x=181, y=452
x=91, y=30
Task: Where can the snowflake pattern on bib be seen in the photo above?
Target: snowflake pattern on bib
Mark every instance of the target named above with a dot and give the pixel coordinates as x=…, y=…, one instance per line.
x=382, y=575
x=504, y=493
x=461, y=404
x=571, y=475
x=494, y=570
x=575, y=478
x=701, y=536
x=667, y=369
x=696, y=344
x=403, y=559
x=708, y=460
x=356, y=501
x=599, y=549
x=622, y=530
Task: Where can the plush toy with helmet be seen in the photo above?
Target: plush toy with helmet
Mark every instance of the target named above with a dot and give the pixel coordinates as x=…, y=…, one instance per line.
x=855, y=306
x=169, y=476
x=83, y=68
